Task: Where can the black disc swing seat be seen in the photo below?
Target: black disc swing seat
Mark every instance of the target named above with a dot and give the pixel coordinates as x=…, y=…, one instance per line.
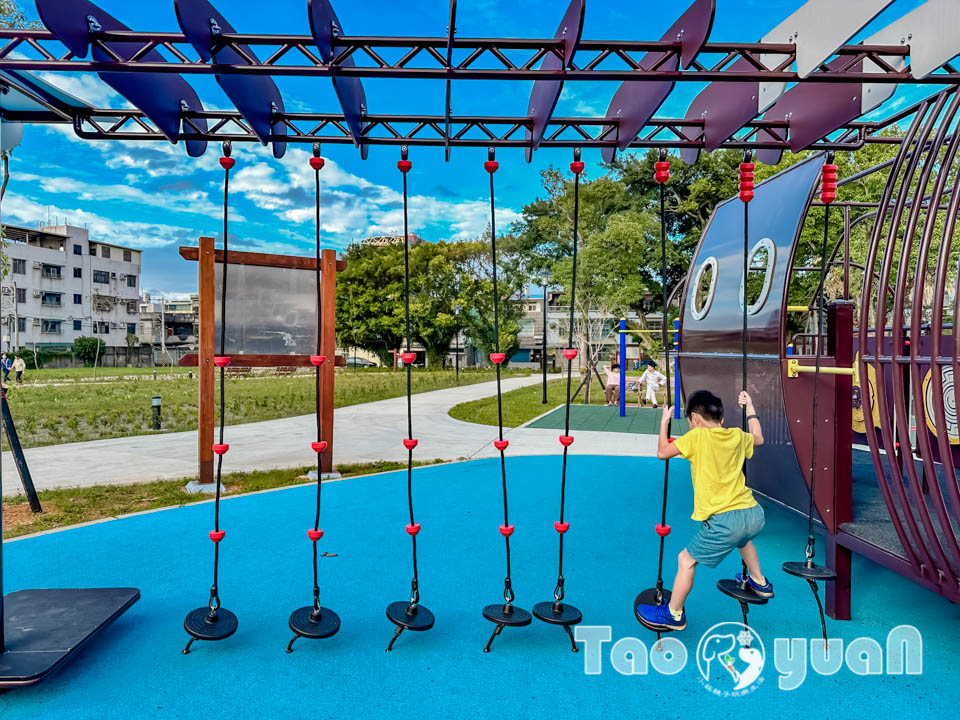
x=504, y=614
x=314, y=622
x=658, y=595
x=212, y=622
x=807, y=568
x=408, y=614
x=557, y=612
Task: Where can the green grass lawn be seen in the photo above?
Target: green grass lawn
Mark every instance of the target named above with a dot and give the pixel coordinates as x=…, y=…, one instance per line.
x=70, y=506
x=526, y=403
x=75, y=412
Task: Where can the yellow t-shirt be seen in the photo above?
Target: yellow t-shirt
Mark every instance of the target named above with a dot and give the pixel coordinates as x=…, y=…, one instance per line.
x=716, y=458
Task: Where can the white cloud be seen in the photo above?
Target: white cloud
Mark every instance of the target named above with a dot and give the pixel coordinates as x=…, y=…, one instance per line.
x=25, y=211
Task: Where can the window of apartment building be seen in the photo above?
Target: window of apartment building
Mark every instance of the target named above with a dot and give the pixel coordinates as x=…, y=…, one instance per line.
x=52, y=272
x=105, y=252
x=526, y=327
x=101, y=276
x=78, y=325
x=21, y=296
x=93, y=249
x=21, y=324
x=132, y=307
x=77, y=299
x=131, y=328
x=78, y=249
x=51, y=299
x=131, y=281
x=78, y=272
x=19, y=266
x=50, y=327
x=128, y=256
x=101, y=328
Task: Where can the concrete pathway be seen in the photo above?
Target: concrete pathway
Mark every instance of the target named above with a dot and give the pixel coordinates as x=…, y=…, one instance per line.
x=362, y=433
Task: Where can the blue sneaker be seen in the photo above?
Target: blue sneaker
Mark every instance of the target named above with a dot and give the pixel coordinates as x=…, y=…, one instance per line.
x=764, y=591
x=659, y=617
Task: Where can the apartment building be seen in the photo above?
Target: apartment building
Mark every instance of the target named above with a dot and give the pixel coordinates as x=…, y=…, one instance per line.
x=60, y=285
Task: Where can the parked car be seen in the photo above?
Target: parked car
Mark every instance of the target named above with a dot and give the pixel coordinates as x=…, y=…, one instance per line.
x=358, y=362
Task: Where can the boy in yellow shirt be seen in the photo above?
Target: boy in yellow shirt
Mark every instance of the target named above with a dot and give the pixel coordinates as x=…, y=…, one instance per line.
x=722, y=501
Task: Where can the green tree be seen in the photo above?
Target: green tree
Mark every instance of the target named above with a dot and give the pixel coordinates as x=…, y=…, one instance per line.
x=370, y=309
x=88, y=349
x=12, y=16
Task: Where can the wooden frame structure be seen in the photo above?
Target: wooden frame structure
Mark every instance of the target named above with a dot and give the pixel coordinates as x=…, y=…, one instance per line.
x=206, y=256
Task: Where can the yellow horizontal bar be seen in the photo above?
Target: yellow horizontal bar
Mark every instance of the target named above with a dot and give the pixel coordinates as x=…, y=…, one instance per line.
x=638, y=332
x=798, y=308
x=794, y=368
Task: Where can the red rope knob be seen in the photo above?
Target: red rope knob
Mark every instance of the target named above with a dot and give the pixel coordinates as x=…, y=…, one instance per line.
x=413, y=529
x=566, y=440
x=227, y=163
x=408, y=357
x=318, y=360
x=319, y=447
x=506, y=530
x=561, y=527
x=746, y=182
x=221, y=362
x=828, y=184
x=314, y=535
x=220, y=449
x=497, y=358
x=662, y=172
x=217, y=535
x=577, y=167
x=501, y=445
x=570, y=354
x=317, y=163
x=491, y=166
x=404, y=166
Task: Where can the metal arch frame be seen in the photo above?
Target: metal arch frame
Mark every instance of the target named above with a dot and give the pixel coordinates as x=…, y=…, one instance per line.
x=426, y=58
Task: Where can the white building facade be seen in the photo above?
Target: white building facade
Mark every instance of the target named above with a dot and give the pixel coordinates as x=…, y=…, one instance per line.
x=60, y=285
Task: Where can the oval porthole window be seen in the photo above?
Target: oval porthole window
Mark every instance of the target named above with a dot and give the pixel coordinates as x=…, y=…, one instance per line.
x=704, y=287
x=760, y=266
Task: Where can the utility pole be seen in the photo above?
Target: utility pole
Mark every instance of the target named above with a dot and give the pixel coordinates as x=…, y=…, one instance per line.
x=545, y=279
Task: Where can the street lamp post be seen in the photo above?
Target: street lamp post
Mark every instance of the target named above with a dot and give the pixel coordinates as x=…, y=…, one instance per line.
x=545, y=280
x=456, y=354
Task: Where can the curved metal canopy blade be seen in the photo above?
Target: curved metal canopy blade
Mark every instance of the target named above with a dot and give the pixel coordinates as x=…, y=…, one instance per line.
x=256, y=97
x=161, y=96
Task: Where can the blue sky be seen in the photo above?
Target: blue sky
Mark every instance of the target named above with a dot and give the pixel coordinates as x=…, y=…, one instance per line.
x=151, y=195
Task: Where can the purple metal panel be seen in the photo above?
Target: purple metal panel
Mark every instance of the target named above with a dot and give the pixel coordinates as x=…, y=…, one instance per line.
x=724, y=108
x=546, y=93
x=161, y=96
x=711, y=353
x=256, y=97
x=814, y=110
x=634, y=103
x=326, y=28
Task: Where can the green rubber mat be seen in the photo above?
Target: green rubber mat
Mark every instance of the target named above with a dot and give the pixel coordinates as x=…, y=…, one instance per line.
x=640, y=421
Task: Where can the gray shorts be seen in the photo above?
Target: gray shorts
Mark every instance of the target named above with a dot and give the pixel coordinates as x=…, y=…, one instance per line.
x=721, y=533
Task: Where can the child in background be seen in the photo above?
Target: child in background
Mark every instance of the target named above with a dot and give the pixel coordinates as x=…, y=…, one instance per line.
x=654, y=380
x=730, y=516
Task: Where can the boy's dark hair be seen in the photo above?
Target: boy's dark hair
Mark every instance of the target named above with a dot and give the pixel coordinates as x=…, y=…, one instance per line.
x=615, y=366
x=706, y=405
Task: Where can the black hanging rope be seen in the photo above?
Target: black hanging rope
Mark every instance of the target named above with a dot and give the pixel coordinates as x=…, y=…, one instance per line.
x=415, y=583
x=317, y=163
x=567, y=440
x=497, y=358
x=227, y=163
x=662, y=175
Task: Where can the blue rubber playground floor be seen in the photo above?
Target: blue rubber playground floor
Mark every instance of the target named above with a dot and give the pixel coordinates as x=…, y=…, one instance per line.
x=135, y=669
